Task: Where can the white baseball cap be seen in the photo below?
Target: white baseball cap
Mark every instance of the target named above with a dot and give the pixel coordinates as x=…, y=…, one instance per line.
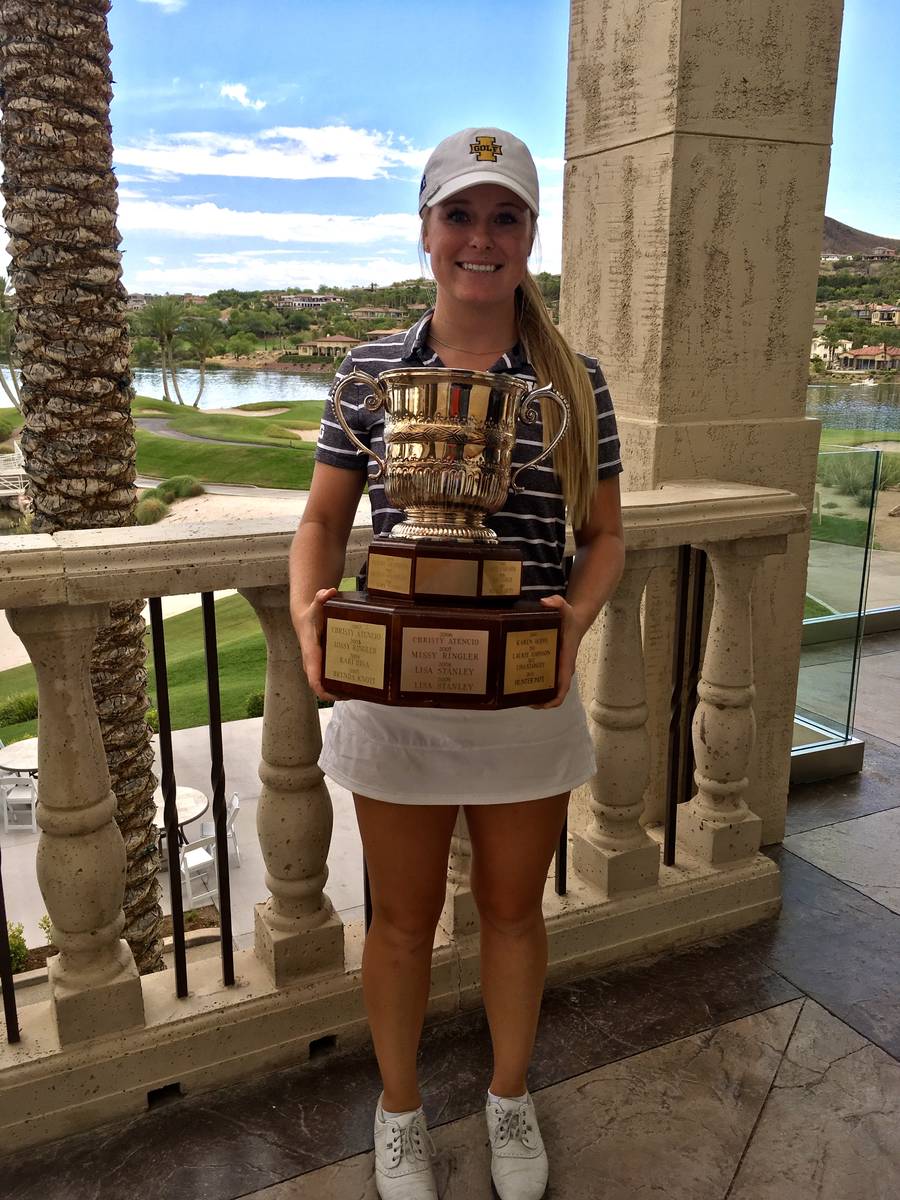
x=479, y=155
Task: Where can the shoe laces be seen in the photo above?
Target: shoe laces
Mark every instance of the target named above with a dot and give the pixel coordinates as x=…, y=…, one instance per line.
x=412, y=1141
x=514, y=1125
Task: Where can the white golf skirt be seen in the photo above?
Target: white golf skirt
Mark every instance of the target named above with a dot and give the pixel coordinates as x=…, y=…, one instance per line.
x=458, y=756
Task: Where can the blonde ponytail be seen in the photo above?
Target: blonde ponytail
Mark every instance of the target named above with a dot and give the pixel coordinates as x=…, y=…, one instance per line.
x=575, y=458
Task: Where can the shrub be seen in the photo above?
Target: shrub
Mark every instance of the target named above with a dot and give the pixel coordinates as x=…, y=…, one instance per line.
x=45, y=927
x=18, y=708
x=182, y=486
x=831, y=504
x=148, y=512
x=851, y=474
x=890, y=469
x=18, y=947
x=152, y=719
x=255, y=704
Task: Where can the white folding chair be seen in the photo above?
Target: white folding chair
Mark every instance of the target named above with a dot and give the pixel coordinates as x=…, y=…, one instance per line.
x=208, y=828
x=198, y=871
x=19, y=796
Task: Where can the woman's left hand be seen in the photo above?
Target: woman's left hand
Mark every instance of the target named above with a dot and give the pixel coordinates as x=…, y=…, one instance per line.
x=571, y=634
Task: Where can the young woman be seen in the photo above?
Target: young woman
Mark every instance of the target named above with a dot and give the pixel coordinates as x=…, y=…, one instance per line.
x=410, y=768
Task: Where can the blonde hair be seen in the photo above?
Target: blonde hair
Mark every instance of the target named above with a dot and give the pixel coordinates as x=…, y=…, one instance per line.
x=575, y=458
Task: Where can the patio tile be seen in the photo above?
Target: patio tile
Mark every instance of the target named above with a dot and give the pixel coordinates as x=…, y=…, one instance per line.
x=875, y=788
x=864, y=853
x=828, y=1130
x=669, y=1122
x=836, y=945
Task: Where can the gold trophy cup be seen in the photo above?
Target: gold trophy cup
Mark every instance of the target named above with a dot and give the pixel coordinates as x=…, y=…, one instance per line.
x=441, y=622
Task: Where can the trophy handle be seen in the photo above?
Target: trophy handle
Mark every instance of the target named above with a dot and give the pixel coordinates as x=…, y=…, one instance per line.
x=377, y=400
x=529, y=413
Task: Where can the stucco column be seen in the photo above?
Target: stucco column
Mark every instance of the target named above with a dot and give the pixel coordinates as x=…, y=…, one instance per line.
x=460, y=913
x=94, y=984
x=614, y=852
x=697, y=143
x=297, y=930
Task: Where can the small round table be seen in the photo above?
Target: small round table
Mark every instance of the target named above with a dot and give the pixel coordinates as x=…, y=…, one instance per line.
x=190, y=804
x=21, y=758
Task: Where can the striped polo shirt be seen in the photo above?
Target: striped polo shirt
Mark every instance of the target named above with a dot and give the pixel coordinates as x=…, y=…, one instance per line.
x=534, y=519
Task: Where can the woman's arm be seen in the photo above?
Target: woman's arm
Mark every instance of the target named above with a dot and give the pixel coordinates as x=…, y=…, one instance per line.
x=316, y=562
x=596, y=571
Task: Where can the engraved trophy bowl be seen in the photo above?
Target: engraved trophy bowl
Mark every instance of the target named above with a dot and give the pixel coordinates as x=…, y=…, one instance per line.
x=448, y=444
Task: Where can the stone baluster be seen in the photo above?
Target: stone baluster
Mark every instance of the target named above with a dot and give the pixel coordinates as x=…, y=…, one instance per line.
x=297, y=930
x=614, y=852
x=716, y=825
x=460, y=913
x=94, y=985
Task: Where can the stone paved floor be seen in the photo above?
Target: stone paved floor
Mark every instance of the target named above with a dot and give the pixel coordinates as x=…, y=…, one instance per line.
x=758, y=1066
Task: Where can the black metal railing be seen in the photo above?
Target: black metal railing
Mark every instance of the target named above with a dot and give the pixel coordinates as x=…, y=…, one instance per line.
x=7, y=982
x=169, y=790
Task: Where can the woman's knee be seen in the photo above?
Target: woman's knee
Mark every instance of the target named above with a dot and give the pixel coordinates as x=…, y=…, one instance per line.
x=509, y=914
x=406, y=929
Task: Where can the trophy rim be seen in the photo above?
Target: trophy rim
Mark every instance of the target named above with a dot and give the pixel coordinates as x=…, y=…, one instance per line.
x=493, y=379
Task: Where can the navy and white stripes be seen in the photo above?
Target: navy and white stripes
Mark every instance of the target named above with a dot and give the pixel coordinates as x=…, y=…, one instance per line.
x=533, y=519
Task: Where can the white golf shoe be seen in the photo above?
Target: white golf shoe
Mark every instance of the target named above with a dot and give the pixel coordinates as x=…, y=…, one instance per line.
x=519, y=1165
x=403, y=1150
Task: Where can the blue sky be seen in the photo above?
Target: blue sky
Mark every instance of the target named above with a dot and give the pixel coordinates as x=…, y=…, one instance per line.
x=280, y=143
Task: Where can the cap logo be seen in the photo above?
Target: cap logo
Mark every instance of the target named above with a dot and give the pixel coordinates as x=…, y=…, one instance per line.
x=485, y=149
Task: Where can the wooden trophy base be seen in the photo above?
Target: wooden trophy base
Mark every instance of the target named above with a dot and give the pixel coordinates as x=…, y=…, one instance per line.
x=429, y=570
x=437, y=656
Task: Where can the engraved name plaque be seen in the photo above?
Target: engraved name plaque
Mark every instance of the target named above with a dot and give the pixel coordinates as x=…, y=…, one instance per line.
x=444, y=660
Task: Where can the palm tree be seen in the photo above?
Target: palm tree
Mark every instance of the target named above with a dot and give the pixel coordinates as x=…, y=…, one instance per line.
x=162, y=319
x=204, y=338
x=72, y=342
x=7, y=329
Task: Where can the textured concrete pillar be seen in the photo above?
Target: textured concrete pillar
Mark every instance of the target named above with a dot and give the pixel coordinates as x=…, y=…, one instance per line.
x=614, y=851
x=460, y=913
x=94, y=985
x=297, y=930
x=697, y=143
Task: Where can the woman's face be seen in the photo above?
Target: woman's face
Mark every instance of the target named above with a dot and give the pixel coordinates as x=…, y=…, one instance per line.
x=479, y=242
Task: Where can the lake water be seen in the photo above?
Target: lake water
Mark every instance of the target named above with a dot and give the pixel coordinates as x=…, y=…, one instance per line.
x=837, y=405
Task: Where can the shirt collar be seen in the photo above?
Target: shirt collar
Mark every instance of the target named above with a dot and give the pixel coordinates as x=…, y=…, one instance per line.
x=416, y=350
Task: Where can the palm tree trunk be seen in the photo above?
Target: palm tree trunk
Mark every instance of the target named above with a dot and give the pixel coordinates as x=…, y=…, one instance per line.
x=202, y=382
x=165, y=376
x=175, y=375
x=72, y=343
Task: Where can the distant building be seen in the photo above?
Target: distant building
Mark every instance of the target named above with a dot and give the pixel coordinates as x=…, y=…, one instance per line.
x=374, y=334
x=136, y=301
x=871, y=358
x=375, y=313
x=879, y=254
x=830, y=257
x=820, y=350
x=335, y=345
x=304, y=300
x=885, y=314
x=189, y=299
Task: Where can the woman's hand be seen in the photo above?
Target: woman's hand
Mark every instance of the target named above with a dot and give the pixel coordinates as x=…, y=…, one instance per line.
x=573, y=630
x=309, y=624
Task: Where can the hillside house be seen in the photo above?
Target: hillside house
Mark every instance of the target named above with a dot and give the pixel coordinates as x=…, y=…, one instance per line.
x=336, y=345
x=870, y=358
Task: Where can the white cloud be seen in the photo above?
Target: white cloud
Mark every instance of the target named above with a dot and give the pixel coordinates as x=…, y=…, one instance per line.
x=169, y=6
x=253, y=274
x=238, y=91
x=208, y=220
x=284, y=152
x=155, y=260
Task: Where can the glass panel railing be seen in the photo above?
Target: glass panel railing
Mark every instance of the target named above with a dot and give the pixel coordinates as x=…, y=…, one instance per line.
x=841, y=540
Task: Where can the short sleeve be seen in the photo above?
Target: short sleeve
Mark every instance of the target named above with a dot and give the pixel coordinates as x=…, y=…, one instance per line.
x=333, y=446
x=609, y=455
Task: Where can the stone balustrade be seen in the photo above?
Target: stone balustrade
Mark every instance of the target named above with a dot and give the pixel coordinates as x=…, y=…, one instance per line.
x=107, y=1037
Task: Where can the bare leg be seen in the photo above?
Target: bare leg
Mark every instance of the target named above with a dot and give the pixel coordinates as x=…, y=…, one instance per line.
x=406, y=848
x=512, y=848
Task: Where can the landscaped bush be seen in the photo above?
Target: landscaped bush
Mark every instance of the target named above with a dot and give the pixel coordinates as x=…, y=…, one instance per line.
x=150, y=510
x=890, y=469
x=182, y=486
x=22, y=707
x=255, y=703
x=18, y=947
x=152, y=719
x=851, y=474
